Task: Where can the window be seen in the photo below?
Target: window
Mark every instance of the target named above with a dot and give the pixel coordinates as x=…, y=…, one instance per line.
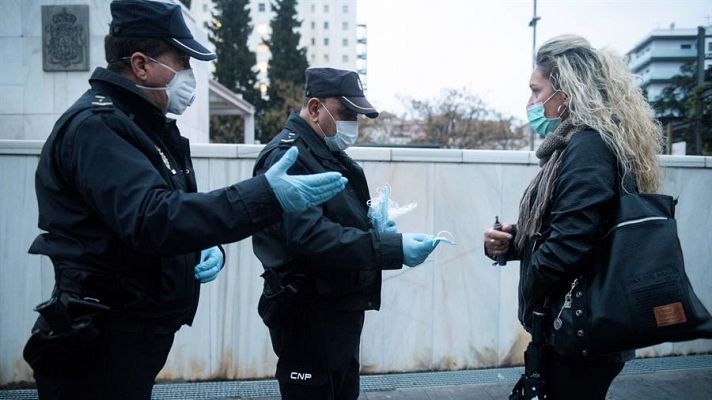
x=261, y=48
x=313, y=8
x=345, y=42
x=326, y=25
x=263, y=88
x=709, y=46
x=261, y=7
x=345, y=58
x=313, y=57
x=326, y=41
x=345, y=26
x=345, y=9
x=313, y=25
x=261, y=29
x=313, y=42
x=326, y=8
x=262, y=67
x=326, y=58
x=205, y=7
x=686, y=46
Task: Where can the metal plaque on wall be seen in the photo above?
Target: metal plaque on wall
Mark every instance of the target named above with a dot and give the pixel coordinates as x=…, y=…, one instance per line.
x=65, y=38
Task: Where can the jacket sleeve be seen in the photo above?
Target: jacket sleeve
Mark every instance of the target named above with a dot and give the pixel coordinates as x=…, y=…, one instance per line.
x=313, y=237
x=584, y=200
x=130, y=196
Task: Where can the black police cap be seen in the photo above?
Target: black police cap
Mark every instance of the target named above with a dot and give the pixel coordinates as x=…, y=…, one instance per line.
x=345, y=85
x=154, y=19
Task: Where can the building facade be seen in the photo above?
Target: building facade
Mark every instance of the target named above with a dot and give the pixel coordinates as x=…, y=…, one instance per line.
x=329, y=32
x=659, y=56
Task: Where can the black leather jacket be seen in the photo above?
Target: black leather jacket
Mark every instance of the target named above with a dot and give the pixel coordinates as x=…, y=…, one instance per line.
x=582, y=210
x=333, y=244
x=116, y=193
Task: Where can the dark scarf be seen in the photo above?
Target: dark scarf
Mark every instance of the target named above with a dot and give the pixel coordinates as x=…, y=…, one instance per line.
x=538, y=196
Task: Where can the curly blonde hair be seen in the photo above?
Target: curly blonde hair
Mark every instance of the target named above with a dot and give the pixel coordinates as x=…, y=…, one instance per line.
x=601, y=93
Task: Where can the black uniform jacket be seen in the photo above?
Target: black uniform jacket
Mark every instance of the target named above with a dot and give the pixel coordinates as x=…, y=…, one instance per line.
x=117, y=198
x=333, y=244
x=582, y=210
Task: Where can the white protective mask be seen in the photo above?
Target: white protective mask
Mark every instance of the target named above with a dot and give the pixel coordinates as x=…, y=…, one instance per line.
x=180, y=90
x=346, y=134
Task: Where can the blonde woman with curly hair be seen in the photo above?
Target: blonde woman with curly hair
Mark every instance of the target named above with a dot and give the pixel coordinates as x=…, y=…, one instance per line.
x=596, y=127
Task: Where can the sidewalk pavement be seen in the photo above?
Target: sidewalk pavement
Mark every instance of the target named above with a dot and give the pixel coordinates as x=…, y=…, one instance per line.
x=663, y=378
x=693, y=384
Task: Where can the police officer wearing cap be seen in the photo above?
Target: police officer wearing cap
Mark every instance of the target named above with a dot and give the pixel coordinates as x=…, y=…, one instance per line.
x=129, y=237
x=323, y=265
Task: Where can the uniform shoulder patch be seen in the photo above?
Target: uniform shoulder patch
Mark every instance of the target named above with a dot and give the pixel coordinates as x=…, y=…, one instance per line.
x=101, y=103
x=288, y=139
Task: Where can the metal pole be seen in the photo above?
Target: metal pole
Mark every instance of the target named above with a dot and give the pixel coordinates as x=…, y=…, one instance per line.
x=669, y=138
x=532, y=23
x=700, y=82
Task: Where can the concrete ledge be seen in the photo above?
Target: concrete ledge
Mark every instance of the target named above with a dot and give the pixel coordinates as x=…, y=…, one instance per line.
x=498, y=157
x=370, y=153
x=386, y=154
x=249, y=150
x=206, y=150
x=683, y=161
x=27, y=147
x=426, y=155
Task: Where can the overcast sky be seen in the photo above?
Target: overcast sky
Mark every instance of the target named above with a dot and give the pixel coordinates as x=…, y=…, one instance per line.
x=417, y=48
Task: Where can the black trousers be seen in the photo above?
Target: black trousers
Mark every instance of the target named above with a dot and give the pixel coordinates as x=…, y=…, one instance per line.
x=580, y=379
x=318, y=354
x=118, y=366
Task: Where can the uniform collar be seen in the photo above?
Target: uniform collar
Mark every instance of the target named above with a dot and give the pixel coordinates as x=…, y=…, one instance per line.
x=129, y=95
x=295, y=123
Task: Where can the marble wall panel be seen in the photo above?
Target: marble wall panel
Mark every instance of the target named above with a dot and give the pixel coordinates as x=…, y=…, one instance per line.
x=12, y=127
x=10, y=101
x=455, y=311
x=38, y=126
x=11, y=11
x=11, y=53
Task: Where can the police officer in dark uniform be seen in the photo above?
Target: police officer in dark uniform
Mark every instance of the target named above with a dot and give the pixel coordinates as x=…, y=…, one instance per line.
x=130, y=239
x=323, y=266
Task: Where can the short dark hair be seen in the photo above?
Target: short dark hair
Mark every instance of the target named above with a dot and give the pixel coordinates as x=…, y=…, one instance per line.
x=117, y=48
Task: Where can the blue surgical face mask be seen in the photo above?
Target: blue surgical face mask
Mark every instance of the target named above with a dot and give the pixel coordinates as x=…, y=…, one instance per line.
x=540, y=122
x=346, y=134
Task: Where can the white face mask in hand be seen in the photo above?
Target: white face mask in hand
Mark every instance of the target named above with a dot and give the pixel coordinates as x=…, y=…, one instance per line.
x=346, y=133
x=445, y=237
x=180, y=90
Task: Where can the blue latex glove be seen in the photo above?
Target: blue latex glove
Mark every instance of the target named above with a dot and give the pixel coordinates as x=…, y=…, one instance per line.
x=211, y=262
x=299, y=192
x=390, y=226
x=417, y=247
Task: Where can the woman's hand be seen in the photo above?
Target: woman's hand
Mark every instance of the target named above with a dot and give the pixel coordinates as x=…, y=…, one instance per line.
x=497, y=242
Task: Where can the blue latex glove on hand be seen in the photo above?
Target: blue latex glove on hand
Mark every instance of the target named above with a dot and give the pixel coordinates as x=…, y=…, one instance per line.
x=211, y=262
x=417, y=247
x=390, y=226
x=299, y=192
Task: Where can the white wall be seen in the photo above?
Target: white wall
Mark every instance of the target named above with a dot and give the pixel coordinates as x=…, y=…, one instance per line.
x=31, y=100
x=455, y=311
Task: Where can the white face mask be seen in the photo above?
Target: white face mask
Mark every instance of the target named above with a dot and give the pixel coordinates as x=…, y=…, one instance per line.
x=180, y=90
x=346, y=134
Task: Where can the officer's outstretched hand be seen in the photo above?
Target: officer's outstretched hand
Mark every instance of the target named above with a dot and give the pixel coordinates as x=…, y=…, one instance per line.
x=417, y=247
x=211, y=262
x=299, y=192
